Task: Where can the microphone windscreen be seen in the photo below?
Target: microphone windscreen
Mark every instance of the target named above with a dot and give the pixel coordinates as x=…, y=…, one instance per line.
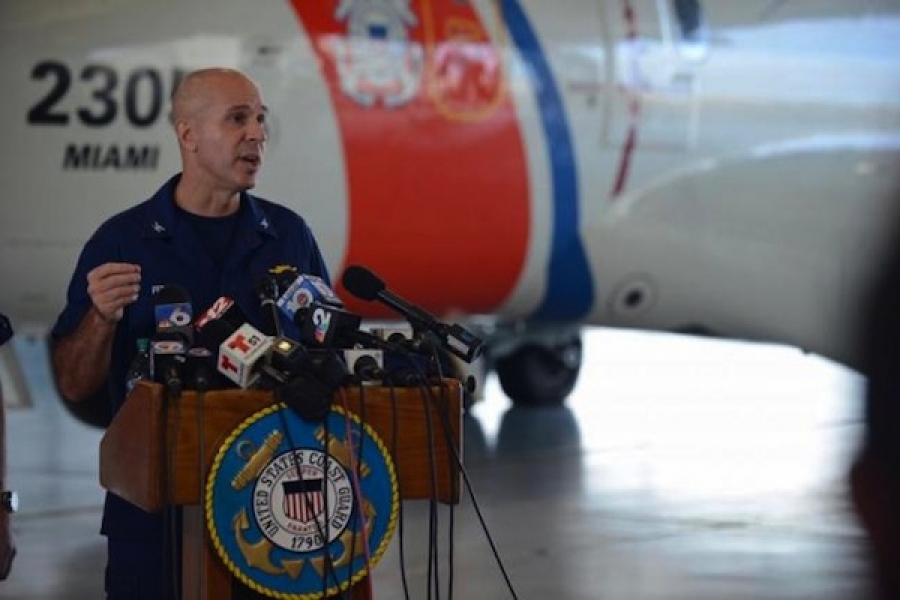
x=242, y=353
x=172, y=308
x=303, y=291
x=308, y=397
x=362, y=283
x=266, y=289
x=327, y=326
x=171, y=294
x=223, y=311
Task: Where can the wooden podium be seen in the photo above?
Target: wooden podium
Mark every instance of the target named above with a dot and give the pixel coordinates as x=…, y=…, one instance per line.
x=134, y=447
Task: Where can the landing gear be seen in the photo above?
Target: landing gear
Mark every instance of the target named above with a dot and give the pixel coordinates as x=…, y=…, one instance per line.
x=541, y=374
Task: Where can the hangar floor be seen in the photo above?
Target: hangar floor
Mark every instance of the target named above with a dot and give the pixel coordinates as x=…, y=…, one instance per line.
x=679, y=469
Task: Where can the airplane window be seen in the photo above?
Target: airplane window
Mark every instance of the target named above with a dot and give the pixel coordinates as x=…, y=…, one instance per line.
x=690, y=19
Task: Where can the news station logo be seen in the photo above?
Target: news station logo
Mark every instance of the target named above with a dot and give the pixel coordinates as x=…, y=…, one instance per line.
x=296, y=297
x=173, y=316
x=322, y=321
x=216, y=311
x=241, y=352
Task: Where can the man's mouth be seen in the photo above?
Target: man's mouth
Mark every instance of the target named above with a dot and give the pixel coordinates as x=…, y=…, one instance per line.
x=253, y=160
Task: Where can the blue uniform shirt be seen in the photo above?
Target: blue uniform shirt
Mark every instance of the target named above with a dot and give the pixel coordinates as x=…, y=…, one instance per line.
x=157, y=235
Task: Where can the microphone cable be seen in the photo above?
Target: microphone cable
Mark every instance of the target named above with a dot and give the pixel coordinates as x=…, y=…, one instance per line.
x=433, y=508
x=356, y=475
x=200, y=396
x=471, y=492
x=173, y=527
x=432, y=585
x=433, y=524
x=171, y=540
x=328, y=564
x=394, y=452
x=433, y=570
x=454, y=484
x=445, y=424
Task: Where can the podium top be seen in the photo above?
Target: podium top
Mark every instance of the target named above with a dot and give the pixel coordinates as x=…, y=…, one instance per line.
x=153, y=445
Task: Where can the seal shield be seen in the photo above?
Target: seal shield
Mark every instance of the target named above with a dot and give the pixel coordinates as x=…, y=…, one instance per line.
x=298, y=510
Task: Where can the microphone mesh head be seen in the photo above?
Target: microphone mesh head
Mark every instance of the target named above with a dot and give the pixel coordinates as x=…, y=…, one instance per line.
x=171, y=294
x=362, y=283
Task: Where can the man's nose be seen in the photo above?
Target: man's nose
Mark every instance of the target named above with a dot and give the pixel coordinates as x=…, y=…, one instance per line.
x=257, y=131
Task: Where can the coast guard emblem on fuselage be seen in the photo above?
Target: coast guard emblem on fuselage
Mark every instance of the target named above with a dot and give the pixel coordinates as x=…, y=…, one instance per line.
x=377, y=61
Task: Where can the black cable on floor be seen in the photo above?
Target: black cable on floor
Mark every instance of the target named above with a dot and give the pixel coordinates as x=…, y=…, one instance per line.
x=468, y=485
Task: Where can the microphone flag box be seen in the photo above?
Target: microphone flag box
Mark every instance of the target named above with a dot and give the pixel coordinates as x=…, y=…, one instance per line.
x=326, y=294
x=240, y=353
x=352, y=355
x=303, y=291
x=173, y=316
x=217, y=311
x=327, y=325
x=365, y=363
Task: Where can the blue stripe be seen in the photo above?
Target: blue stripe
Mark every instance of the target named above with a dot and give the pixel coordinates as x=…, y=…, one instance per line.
x=570, y=290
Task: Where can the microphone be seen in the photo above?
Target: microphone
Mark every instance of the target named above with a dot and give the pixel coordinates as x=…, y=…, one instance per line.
x=200, y=369
x=318, y=314
x=218, y=322
x=307, y=396
x=168, y=356
x=242, y=355
x=287, y=357
x=303, y=291
x=327, y=326
x=365, y=364
x=267, y=294
x=223, y=309
x=365, y=285
x=310, y=391
x=173, y=313
x=217, y=330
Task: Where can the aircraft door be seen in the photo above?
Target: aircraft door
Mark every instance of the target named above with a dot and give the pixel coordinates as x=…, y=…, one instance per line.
x=659, y=47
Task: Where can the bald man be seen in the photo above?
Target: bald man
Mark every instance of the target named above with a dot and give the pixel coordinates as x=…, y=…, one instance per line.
x=201, y=230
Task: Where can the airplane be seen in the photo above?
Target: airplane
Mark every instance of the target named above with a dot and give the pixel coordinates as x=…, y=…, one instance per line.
x=526, y=167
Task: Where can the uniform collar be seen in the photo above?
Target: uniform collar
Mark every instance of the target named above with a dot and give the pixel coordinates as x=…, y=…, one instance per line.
x=163, y=215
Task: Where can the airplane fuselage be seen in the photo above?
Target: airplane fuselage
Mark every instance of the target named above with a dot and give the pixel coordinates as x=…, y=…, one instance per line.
x=723, y=167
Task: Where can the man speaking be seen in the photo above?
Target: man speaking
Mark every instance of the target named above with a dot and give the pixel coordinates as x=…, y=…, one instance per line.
x=202, y=231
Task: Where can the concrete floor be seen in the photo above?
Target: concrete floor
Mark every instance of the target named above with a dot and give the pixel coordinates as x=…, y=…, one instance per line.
x=679, y=469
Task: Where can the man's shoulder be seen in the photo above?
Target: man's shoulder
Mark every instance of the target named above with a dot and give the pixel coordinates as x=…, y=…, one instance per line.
x=279, y=213
x=129, y=221
x=144, y=216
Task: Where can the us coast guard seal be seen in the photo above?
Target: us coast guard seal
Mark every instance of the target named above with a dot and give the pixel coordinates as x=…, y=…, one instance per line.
x=301, y=511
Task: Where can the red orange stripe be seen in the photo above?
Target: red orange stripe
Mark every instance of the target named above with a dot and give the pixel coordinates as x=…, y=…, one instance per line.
x=439, y=200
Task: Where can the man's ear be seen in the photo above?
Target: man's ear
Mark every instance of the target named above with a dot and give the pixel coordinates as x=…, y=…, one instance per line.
x=185, y=133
